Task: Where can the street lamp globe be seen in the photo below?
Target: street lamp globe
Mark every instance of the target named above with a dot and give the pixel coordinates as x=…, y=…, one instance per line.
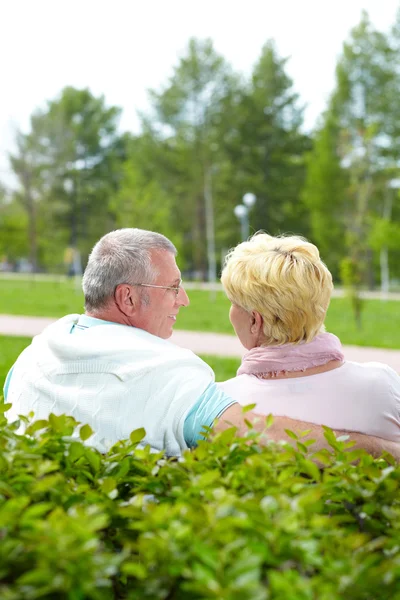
x=249, y=199
x=394, y=184
x=240, y=211
x=68, y=185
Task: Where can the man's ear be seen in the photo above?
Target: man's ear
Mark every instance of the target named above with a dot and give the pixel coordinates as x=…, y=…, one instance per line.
x=256, y=322
x=126, y=299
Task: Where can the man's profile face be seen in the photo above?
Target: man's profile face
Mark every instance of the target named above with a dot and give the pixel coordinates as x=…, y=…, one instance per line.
x=159, y=315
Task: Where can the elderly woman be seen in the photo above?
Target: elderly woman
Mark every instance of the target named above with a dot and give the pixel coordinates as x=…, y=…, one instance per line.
x=280, y=292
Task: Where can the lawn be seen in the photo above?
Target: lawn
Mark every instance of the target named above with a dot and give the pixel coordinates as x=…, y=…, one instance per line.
x=381, y=319
x=11, y=347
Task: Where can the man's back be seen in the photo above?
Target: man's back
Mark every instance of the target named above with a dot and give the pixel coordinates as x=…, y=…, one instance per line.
x=114, y=377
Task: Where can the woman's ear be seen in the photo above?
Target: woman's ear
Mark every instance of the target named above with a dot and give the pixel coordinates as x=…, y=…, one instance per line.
x=256, y=323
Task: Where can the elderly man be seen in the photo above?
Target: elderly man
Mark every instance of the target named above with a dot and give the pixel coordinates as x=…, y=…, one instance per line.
x=113, y=367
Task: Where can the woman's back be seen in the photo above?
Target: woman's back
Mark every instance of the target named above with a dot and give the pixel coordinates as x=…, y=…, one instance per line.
x=355, y=397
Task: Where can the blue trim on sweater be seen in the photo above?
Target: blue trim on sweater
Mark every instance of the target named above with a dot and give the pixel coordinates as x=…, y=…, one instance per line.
x=7, y=383
x=211, y=404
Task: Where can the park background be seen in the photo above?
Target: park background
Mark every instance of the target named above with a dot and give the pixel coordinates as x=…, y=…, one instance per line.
x=263, y=115
x=216, y=150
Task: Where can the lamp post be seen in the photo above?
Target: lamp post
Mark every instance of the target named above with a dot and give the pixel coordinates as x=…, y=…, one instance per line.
x=242, y=213
x=210, y=227
x=72, y=254
x=393, y=184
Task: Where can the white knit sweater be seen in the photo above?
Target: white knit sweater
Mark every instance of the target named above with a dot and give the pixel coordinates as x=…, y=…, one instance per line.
x=115, y=378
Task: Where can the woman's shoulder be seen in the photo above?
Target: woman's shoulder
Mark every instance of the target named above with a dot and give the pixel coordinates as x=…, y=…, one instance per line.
x=375, y=378
x=371, y=370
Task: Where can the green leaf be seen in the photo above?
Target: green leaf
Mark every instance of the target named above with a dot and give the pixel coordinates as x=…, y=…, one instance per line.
x=37, y=510
x=136, y=570
x=6, y=489
x=137, y=435
x=93, y=459
x=309, y=442
x=302, y=447
x=311, y=469
x=34, y=577
x=226, y=436
x=304, y=433
x=208, y=478
x=47, y=483
x=323, y=456
x=330, y=436
x=85, y=432
x=269, y=421
x=36, y=426
x=109, y=485
x=76, y=450
x=291, y=434
x=248, y=407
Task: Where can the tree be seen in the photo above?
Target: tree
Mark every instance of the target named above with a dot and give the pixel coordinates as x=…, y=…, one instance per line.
x=184, y=126
x=267, y=148
x=324, y=193
x=13, y=226
x=144, y=204
x=66, y=164
x=213, y=136
x=353, y=157
x=26, y=165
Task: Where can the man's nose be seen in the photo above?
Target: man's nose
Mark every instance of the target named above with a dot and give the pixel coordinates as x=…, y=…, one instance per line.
x=183, y=298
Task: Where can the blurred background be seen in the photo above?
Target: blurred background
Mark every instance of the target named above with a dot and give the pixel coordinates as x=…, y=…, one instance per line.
x=205, y=121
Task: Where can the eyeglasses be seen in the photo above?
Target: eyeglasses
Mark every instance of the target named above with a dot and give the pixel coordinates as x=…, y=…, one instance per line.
x=163, y=287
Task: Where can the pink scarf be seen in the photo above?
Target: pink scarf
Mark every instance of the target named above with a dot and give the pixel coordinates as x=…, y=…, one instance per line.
x=290, y=357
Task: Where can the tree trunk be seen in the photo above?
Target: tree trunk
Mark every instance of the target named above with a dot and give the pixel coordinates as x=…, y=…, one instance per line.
x=32, y=221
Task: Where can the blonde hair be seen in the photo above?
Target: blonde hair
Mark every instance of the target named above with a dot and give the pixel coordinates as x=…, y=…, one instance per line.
x=284, y=279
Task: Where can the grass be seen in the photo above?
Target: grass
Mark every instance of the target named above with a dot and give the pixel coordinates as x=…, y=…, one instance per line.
x=207, y=312
x=39, y=298
x=224, y=368
x=11, y=347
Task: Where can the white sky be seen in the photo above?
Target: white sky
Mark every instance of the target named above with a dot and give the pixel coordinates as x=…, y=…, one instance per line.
x=121, y=48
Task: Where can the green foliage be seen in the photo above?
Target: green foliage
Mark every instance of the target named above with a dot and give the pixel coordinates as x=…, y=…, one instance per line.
x=267, y=148
x=324, y=194
x=384, y=233
x=140, y=202
x=10, y=348
x=209, y=136
x=182, y=142
x=351, y=275
x=67, y=166
x=13, y=225
x=32, y=296
x=224, y=368
x=231, y=519
x=355, y=156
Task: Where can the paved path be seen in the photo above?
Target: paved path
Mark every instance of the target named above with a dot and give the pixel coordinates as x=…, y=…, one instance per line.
x=200, y=342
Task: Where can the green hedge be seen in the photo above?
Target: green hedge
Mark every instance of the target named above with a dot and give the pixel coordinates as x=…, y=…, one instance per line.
x=230, y=520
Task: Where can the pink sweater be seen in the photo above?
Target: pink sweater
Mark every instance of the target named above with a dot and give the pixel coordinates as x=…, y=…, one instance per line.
x=355, y=397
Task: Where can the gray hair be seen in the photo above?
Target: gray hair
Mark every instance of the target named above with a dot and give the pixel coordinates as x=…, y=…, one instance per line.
x=121, y=256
